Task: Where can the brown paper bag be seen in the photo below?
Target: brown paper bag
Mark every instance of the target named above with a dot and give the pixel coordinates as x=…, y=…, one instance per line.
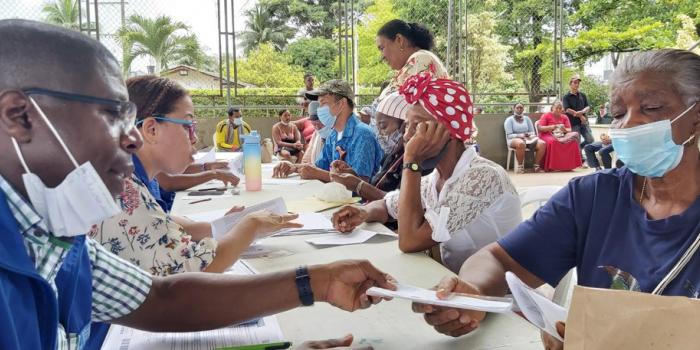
x=615, y=319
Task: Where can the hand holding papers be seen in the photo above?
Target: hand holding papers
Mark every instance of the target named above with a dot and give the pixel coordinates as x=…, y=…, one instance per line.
x=459, y=301
x=536, y=308
x=222, y=225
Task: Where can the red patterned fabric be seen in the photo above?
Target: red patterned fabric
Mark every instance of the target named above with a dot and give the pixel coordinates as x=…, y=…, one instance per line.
x=446, y=100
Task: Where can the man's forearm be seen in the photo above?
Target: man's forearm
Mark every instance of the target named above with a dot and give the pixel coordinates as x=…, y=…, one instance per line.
x=201, y=301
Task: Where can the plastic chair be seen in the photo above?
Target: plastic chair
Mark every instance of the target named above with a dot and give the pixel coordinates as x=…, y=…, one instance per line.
x=511, y=150
x=539, y=194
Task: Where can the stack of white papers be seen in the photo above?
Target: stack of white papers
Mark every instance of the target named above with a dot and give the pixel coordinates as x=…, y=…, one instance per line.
x=257, y=331
x=314, y=223
x=355, y=237
x=536, y=308
x=459, y=301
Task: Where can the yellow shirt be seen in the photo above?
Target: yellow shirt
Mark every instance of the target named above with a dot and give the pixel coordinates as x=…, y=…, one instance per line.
x=222, y=134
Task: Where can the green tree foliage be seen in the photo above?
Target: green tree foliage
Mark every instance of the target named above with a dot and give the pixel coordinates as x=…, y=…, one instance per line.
x=373, y=70
x=267, y=67
x=63, y=13
x=486, y=54
x=262, y=26
x=165, y=41
x=314, y=18
x=314, y=55
x=618, y=26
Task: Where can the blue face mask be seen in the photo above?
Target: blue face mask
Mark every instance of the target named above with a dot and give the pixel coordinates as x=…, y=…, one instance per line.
x=325, y=116
x=649, y=150
x=238, y=121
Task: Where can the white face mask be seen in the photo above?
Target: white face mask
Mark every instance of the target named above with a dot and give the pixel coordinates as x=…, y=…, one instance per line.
x=78, y=202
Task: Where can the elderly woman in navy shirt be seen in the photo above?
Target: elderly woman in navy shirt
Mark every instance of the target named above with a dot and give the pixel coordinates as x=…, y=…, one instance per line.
x=620, y=228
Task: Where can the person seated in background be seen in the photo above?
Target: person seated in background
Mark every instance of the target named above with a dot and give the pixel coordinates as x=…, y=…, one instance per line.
x=229, y=131
x=315, y=145
x=603, y=116
x=366, y=115
x=350, y=140
x=143, y=233
x=563, y=153
x=625, y=228
x=390, y=117
x=521, y=134
x=306, y=128
x=287, y=138
x=603, y=148
x=73, y=134
x=466, y=203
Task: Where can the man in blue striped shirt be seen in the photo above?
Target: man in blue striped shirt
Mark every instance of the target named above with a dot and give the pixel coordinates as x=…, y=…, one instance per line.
x=63, y=107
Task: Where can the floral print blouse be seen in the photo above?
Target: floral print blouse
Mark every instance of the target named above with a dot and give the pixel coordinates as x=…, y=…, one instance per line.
x=419, y=62
x=146, y=236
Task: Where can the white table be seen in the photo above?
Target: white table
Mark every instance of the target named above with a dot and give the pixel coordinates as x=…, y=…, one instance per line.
x=389, y=325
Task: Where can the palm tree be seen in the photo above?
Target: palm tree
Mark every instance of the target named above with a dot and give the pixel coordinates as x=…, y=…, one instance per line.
x=63, y=13
x=164, y=40
x=263, y=27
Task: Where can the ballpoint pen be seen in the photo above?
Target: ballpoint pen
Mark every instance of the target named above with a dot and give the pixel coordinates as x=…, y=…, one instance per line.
x=268, y=346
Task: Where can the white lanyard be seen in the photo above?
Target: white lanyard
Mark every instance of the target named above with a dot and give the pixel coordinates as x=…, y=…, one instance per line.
x=678, y=267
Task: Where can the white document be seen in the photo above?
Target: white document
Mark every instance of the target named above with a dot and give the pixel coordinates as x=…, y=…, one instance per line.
x=209, y=157
x=265, y=330
x=222, y=225
x=313, y=223
x=355, y=237
x=459, y=301
x=538, y=309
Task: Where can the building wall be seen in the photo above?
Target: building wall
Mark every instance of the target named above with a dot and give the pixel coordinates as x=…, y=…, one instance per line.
x=492, y=139
x=193, y=80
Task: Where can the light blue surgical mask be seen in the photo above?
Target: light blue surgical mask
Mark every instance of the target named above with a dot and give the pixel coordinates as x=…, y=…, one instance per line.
x=238, y=121
x=649, y=150
x=325, y=116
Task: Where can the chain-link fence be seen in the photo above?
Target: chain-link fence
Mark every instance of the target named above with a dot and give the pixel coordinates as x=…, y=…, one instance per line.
x=255, y=52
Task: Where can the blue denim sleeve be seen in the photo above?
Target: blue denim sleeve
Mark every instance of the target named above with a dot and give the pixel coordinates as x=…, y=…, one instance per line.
x=365, y=155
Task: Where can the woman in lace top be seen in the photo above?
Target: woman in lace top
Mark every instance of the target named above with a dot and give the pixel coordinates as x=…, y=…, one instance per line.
x=466, y=203
x=143, y=233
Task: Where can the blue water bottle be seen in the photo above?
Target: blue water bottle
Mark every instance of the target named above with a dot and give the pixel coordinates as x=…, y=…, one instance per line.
x=251, y=161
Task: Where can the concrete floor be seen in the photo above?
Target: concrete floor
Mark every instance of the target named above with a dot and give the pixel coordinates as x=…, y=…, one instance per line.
x=526, y=180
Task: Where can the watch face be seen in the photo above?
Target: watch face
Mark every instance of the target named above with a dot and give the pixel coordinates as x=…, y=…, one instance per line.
x=414, y=167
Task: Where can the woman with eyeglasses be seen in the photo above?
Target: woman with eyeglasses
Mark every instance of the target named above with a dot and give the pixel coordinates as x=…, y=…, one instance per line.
x=144, y=233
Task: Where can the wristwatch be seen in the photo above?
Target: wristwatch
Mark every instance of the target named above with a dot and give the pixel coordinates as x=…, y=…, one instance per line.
x=303, y=282
x=412, y=166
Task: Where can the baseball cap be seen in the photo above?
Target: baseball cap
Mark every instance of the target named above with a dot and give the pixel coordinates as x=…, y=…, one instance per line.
x=335, y=86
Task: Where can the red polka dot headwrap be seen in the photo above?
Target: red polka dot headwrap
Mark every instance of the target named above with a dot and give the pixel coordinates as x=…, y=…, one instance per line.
x=446, y=100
